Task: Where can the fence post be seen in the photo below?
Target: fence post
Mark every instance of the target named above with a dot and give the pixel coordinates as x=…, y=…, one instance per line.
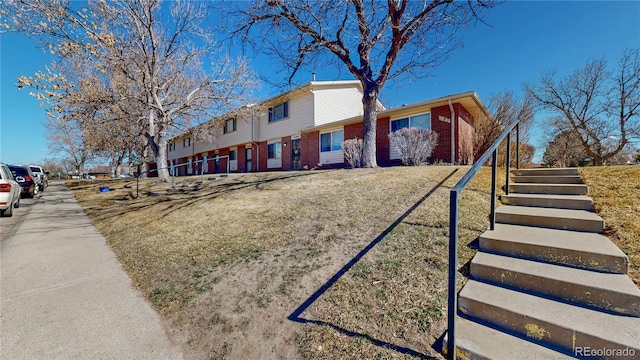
x=453, y=274
x=508, y=164
x=494, y=176
x=518, y=146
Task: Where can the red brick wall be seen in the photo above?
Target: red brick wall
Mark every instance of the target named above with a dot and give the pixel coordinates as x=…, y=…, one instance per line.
x=442, y=152
x=241, y=159
x=286, y=153
x=463, y=131
x=310, y=150
x=382, y=140
x=353, y=131
x=261, y=156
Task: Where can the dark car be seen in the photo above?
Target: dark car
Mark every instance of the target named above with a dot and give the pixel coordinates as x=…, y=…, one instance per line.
x=26, y=179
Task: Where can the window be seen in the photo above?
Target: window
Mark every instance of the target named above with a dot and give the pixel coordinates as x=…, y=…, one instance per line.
x=279, y=112
x=331, y=141
x=230, y=126
x=172, y=147
x=418, y=121
x=233, y=154
x=274, y=150
x=186, y=142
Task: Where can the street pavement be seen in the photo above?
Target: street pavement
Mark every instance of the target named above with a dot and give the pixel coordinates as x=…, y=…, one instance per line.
x=64, y=295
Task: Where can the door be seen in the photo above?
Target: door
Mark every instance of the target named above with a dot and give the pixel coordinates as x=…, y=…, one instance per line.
x=295, y=155
x=247, y=159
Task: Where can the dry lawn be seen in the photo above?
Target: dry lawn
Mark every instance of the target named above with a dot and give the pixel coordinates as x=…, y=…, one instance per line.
x=232, y=263
x=616, y=195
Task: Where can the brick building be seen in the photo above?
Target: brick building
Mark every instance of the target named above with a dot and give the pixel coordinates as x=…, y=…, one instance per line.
x=303, y=128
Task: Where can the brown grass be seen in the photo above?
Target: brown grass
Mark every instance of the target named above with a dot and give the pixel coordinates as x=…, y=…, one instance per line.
x=227, y=261
x=616, y=194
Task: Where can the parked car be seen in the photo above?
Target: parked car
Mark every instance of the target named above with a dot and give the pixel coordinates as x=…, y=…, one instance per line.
x=25, y=179
x=9, y=191
x=42, y=177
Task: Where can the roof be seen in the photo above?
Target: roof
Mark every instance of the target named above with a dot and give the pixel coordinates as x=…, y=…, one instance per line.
x=470, y=100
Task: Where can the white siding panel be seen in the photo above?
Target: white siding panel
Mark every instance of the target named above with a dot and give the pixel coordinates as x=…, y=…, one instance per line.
x=334, y=104
x=300, y=117
x=242, y=134
x=274, y=163
x=332, y=157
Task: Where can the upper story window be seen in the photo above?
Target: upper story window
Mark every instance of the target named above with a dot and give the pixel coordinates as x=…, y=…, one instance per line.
x=230, y=126
x=422, y=121
x=331, y=141
x=279, y=112
x=172, y=147
x=186, y=142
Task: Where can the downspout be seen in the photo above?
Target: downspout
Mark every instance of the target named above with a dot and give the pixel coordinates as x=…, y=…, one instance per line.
x=453, y=133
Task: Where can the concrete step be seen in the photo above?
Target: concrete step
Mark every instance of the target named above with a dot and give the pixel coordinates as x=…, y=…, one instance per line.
x=571, y=328
x=555, y=179
x=564, y=219
x=554, y=189
x=472, y=343
x=584, y=250
x=614, y=293
x=577, y=202
x=545, y=172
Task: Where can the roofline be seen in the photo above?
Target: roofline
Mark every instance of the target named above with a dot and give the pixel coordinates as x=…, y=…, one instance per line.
x=309, y=85
x=472, y=94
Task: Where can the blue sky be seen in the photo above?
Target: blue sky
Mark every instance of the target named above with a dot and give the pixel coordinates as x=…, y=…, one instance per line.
x=524, y=39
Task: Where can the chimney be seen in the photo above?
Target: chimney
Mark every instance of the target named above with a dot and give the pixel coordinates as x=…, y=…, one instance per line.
x=313, y=76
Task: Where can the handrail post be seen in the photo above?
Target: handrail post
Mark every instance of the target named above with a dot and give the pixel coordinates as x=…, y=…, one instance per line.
x=508, y=164
x=453, y=274
x=518, y=146
x=494, y=176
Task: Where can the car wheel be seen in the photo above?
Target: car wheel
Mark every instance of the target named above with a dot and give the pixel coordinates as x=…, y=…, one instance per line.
x=8, y=212
x=17, y=204
x=35, y=190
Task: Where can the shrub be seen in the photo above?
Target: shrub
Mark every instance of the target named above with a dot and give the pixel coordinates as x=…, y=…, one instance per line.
x=353, y=149
x=415, y=145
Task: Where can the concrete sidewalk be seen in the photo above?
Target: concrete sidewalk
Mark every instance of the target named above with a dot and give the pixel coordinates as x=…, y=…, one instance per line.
x=65, y=296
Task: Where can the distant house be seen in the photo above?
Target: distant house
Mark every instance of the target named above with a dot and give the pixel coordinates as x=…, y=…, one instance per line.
x=303, y=128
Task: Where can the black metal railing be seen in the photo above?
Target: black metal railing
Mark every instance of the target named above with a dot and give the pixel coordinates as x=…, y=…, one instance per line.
x=454, y=198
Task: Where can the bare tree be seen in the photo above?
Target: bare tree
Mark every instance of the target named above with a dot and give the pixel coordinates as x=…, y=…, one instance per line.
x=601, y=107
x=564, y=150
x=375, y=41
x=144, y=47
x=67, y=140
x=504, y=108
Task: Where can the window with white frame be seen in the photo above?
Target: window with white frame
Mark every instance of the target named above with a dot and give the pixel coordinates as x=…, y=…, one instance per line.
x=172, y=147
x=230, y=126
x=422, y=121
x=186, y=142
x=274, y=150
x=331, y=141
x=233, y=154
x=279, y=112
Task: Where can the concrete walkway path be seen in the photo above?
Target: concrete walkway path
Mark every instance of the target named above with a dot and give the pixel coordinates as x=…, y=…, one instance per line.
x=65, y=296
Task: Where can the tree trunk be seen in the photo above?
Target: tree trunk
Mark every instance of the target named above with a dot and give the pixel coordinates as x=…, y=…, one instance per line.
x=161, y=157
x=369, y=101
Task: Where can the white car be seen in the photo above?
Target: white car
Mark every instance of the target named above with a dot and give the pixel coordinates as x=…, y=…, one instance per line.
x=9, y=191
x=42, y=177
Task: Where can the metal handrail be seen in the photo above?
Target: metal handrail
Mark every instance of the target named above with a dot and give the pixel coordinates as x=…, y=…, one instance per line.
x=453, y=220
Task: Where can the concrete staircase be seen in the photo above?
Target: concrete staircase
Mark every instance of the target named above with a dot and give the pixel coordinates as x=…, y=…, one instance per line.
x=545, y=283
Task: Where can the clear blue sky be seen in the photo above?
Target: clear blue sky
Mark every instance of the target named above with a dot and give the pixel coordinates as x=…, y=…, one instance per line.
x=525, y=39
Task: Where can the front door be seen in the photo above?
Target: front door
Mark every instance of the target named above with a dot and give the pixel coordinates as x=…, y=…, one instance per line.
x=295, y=155
x=247, y=162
